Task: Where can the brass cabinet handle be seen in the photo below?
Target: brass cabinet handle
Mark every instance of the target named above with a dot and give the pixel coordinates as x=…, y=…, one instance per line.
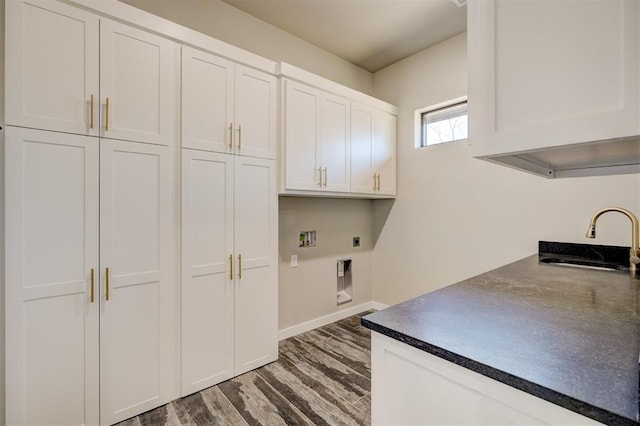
x=320, y=176
x=230, y=135
x=325, y=177
x=239, y=137
x=378, y=181
x=240, y=266
x=106, y=117
x=92, y=281
x=107, y=284
x=231, y=267
x=375, y=182
x=91, y=119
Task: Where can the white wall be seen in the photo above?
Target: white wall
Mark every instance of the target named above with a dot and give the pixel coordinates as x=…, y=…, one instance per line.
x=309, y=291
x=455, y=216
x=226, y=23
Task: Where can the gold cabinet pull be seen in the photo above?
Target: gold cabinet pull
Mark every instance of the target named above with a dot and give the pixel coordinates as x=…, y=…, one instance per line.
x=375, y=182
x=325, y=177
x=231, y=267
x=239, y=137
x=320, y=176
x=378, y=181
x=106, y=118
x=107, y=284
x=240, y=266
x=91, y=119
x=92, y=284
x=230, y=135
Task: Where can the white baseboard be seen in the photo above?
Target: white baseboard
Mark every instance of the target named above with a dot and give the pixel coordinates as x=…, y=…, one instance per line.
x=378, y=306
x=285, y=333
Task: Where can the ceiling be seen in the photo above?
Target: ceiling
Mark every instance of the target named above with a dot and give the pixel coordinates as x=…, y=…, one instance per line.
x=369, y=33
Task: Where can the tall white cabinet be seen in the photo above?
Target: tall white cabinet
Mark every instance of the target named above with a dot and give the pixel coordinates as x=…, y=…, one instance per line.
x=90, y=287
x=229, y=220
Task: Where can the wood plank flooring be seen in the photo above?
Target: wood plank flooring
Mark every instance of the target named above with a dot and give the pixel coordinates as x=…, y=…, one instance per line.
x=322, y=377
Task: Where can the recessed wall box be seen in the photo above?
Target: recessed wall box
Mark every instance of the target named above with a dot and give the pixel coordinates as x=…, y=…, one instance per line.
x=307, y=239
x=345, y=286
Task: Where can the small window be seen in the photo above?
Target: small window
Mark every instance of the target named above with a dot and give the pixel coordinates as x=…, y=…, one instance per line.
x=443, y=123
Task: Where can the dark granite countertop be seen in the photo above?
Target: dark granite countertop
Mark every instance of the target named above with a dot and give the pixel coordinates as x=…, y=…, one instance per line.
x=569, y=336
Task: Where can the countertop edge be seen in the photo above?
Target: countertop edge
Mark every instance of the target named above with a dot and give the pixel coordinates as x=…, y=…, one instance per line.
x=550, y=395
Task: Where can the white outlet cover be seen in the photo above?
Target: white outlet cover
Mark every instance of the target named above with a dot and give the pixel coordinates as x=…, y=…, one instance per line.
x=294, y=260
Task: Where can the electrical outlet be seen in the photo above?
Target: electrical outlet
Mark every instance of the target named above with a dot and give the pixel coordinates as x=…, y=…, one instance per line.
x=294, y=260
x=356, y=241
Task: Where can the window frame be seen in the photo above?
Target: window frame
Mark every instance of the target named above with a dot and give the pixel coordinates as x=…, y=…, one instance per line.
x=420, y=142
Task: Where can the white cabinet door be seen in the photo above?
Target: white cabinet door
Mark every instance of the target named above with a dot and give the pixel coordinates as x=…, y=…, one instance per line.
x=385, y=152
x=207, y=101
x=51, y=66
x=137, y=320
x=576, y=81
x=302, y=137
x=255, y=112
x=362, y=156
x=207, y=269
x=136, y=71
x=336, y=152
x=256, y=287
x=51, y=250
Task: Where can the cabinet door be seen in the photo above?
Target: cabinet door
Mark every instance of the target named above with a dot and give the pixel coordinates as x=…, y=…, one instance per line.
x=207, y=269
x=302, y=137
x=255, y=112
x=136, y=71
x=137, y=318
x=362, y=142
x=207, y=101
x=336, y=151
x=256, y=272
x=385, y=152
x=51, y=249
x=519, y=102
x=51, y=66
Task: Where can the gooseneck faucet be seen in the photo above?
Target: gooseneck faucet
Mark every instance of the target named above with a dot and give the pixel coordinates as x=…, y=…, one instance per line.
x=634, y=253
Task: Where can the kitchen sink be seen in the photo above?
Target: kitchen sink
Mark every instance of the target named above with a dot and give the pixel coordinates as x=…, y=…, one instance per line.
x=589, y=256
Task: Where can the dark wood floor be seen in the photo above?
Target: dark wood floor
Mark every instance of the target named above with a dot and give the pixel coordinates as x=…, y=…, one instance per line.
x=322, y=377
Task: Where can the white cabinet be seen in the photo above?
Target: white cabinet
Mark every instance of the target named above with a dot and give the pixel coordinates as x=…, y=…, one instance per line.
x=229, y=268
x=136, y=84
x=410, y=386
x=227, y=107
x=88, y=279
x=70, y=71
x=577, y=81
x=52, y=322
x=52, y=66
x=373, y=155
x=317, y=141
x=137, y=314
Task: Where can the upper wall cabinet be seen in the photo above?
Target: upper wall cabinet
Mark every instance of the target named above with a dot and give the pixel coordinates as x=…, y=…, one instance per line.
x=547, y=77
x=316, y=131
x=71, y=71
x=373, y=151
x=227, y=107
x=336, y=141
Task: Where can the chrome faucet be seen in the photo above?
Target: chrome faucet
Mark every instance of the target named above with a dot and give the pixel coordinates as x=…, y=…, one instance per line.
x=634, y=253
